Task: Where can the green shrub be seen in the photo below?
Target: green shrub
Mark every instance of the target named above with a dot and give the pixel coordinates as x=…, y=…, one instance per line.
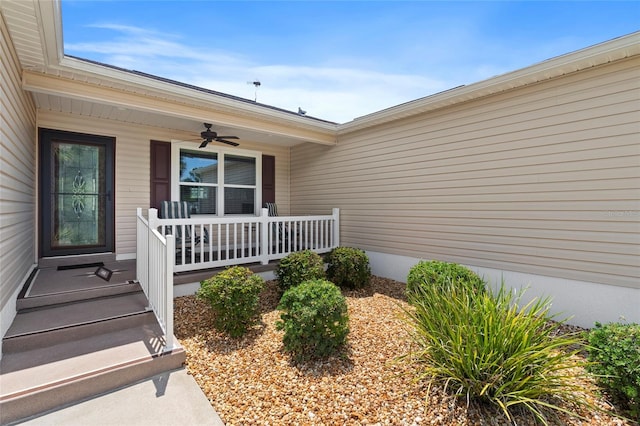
x=614, y=354
x=348, y=267
x=233, y=295
x=298, y=267
x=484, y=348
x=314, y=319
x=443, y=275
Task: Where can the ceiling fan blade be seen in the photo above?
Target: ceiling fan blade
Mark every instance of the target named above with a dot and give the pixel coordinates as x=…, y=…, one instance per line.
x=204, y=144
x=227, y=142
x=228, y=137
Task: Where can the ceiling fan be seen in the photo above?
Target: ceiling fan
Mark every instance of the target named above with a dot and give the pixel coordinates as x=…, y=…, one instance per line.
x=210, y=136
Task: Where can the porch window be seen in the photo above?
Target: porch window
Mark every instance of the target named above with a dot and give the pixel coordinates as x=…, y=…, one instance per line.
x=219, y=182
x=199, y=181
x=239, y=184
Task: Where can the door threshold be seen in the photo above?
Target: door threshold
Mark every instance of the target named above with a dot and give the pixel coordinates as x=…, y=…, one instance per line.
x=71, y=260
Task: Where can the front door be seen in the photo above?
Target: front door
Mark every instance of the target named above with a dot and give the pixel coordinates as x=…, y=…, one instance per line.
x=76, y=193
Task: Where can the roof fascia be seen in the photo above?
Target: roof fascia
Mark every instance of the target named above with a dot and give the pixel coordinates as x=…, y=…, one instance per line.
x=49, y=19
x=177, y=93
x=616, y=49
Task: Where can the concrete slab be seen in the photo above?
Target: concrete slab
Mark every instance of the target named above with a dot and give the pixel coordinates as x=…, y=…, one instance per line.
x=172, y=398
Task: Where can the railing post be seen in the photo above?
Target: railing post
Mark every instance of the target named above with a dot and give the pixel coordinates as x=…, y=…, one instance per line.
x=153, y=218
x=264, y=236
x=336, y=227
x=169, y=291
x=140, y=262
x=153, y=224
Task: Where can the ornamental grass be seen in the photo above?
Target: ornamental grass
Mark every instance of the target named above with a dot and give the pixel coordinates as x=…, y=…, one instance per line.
x=487, y=348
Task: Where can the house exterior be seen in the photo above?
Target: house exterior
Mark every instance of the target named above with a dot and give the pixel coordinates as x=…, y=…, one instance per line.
x=532, y=176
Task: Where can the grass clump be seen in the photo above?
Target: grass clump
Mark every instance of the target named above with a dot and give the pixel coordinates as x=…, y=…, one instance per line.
x=614, y=353
x=233, y=295
x=314, y=319
x=442, y=274
x=298, y=267
x=486, y=348
x=348, y=267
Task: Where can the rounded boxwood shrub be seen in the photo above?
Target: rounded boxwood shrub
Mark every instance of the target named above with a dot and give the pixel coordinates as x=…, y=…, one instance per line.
x=233, y=295
x=443, y=275
x=614, y=355
x=314, y=319
x=348, y=267
x=298, y=267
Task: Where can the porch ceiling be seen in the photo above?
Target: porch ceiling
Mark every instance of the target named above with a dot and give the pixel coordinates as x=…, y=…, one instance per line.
x=86, y=108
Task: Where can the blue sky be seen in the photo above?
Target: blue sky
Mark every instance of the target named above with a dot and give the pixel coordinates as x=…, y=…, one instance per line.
x=337, y=60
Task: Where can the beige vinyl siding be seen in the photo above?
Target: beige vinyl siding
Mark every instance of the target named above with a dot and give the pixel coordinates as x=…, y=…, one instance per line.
x=17, y=174
x=133, y=165
x=544, y=180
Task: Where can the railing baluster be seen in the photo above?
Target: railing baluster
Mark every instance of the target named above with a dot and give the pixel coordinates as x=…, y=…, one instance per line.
x=236, y=240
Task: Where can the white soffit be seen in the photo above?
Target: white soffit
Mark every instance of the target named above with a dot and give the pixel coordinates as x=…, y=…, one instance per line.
x=75, y=97
x=24, y=26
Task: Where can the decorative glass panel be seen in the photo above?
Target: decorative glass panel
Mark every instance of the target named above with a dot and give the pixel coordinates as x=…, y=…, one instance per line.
x=239, y=170
x=198, y=167
x=78, y=189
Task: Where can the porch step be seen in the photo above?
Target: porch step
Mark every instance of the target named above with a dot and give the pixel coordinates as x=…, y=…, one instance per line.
x=38, y=380
x=79, y=344
x=39, y=301
x=35, y=328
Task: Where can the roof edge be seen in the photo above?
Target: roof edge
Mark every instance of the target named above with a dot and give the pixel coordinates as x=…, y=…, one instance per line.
x=608, y=51
x=185, y=92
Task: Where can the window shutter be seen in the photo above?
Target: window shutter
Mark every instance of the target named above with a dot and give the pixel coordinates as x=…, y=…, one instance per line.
x=268, y=179
x=160, y=173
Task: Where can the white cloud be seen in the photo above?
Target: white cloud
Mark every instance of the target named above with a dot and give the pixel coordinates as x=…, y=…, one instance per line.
x=331, y=93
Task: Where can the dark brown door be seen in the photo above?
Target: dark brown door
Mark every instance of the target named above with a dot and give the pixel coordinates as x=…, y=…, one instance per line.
x=76, y=193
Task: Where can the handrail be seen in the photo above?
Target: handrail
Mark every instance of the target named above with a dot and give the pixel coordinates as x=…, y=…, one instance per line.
x=154, y=271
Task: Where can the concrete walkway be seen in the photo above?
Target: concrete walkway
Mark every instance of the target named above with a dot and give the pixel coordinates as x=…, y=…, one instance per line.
x=172, y=398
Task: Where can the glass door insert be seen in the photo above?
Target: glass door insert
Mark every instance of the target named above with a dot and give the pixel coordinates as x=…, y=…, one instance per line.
x=77, y=186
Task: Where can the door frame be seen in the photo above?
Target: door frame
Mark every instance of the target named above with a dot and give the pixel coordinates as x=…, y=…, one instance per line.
x=45, y=138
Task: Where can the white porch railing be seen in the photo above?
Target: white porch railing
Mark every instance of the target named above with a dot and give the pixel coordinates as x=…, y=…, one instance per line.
x=212, y=242
x=165, y=246
x=154, y=270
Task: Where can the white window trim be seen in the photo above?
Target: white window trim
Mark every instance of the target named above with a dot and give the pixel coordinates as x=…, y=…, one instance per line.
x=177, y=145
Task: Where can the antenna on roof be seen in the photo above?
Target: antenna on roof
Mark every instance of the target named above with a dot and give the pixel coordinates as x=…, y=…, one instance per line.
x=256, y=84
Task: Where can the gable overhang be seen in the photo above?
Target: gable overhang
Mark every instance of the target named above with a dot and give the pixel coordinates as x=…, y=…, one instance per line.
x=71, y=85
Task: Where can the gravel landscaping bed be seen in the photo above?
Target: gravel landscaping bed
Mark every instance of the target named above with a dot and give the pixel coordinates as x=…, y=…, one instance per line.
x=253, y=381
